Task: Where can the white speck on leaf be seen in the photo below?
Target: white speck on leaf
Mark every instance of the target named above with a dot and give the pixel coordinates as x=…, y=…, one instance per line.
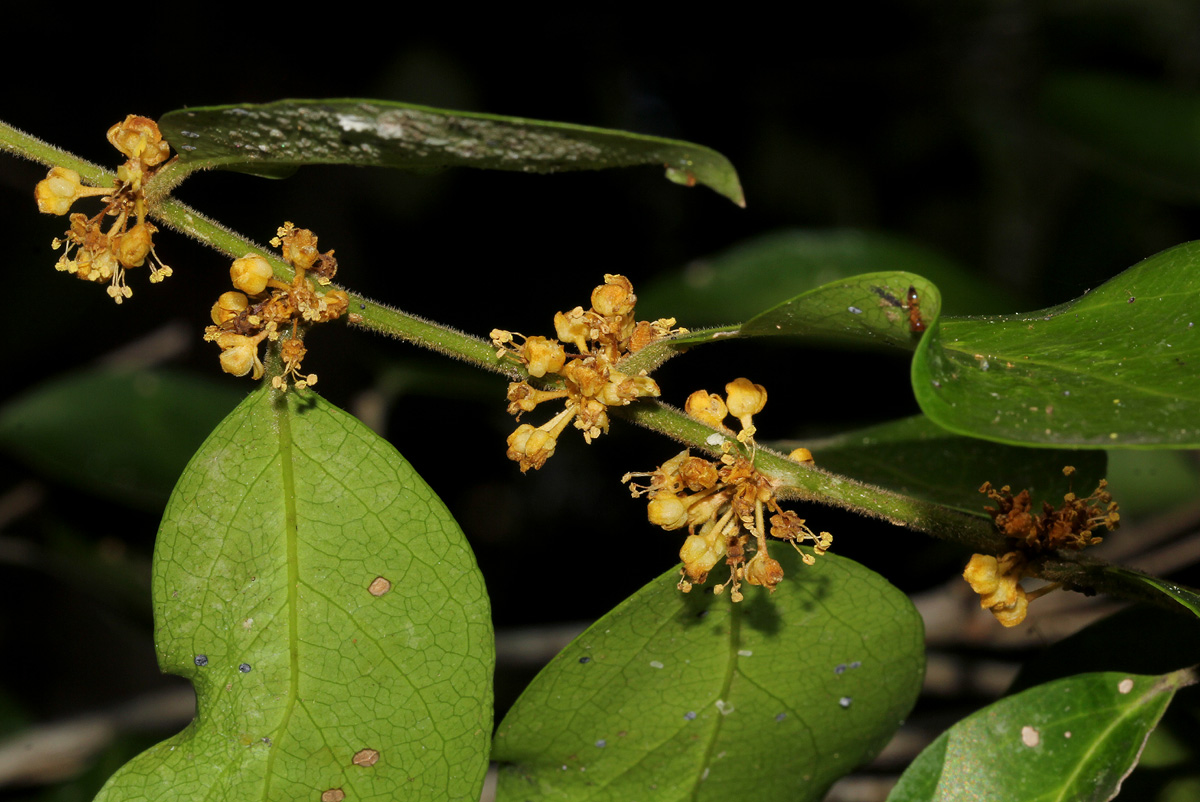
x=1030, y=737
x=744, y=653
x=1125, y=685
x=724, y=707
x=655, y=664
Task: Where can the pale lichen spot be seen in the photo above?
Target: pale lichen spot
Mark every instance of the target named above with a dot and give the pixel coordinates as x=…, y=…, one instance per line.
x=333, y=795
x=365, y=757
x=1125, y=685
x=379, y=586
x=1030, y=737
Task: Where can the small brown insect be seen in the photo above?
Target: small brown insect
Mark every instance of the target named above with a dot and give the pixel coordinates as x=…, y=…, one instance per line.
x=915, y=324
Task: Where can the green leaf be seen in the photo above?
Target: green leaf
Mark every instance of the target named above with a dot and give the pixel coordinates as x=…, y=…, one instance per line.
x=918, y=458
x=124, y=434
x=290, y=133
x=1076, y=738
x=673, y=696
x=1137, y=128
x=752, y=276
x=870, y=310
x=1115, y=368
x=1188, y=597
x=268, y=597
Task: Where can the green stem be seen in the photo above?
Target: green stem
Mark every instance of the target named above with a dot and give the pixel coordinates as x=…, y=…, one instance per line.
x=22, y=144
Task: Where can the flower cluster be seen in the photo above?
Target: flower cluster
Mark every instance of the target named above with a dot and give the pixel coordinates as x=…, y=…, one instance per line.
x=261, y=307
x=1067, y=527
x=590, y=382
x=723, y=504
x=94, y=252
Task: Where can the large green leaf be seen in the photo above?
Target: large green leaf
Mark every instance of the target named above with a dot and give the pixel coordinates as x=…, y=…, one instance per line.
x=290, y=133
x=1115, y=368
x=918, y=458
x=1071, y=739
x=330, y=614
x=673, y=696
x=754, y=275
x=125, y=434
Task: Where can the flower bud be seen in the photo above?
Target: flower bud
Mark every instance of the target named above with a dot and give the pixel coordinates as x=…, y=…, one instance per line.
x=708, y=408
x=668, y=511
x=802, y=455
x=981, y=574
x=543, y=356
x=228, y=306
x=139, y=138
x=572, y=327
x=745, y=399
x=614, y=297
x=134, y=245
x=250, y=274
x=698, y=474
x=1013, y=614
x=300, y=248
x=239, y=355
x=763, y=570
x=699, y=556
x=57, y=191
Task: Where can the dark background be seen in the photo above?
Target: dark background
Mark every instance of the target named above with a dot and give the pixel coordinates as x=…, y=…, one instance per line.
x=919, y=119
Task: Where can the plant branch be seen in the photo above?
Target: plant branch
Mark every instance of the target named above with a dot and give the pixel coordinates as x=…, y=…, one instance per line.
x=22, y=144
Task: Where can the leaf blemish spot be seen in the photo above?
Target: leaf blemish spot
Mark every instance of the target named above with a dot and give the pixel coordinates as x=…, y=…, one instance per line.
x=1030, y=737
x=333, y=795
x=201, y=660
x=845, y=701
x=744, y=653
x=1125, y=685
x=655, y=664
x=365, y=757
x=724, y=707
x=249, y=622
x=379, y=586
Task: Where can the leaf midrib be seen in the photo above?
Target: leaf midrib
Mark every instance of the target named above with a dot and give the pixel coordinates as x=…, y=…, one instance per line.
x=735, y=627
x=283, y=429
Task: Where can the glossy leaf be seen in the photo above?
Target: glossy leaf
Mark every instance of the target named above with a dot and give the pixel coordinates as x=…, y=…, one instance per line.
x=869, y=310
x=1076, y=738
x=1115, y=368
x=123, y=434
x=918, y=458
x=328, y=611
x=673, y=696
x=1188, y=597
x=754, y=275
x=378, y=133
